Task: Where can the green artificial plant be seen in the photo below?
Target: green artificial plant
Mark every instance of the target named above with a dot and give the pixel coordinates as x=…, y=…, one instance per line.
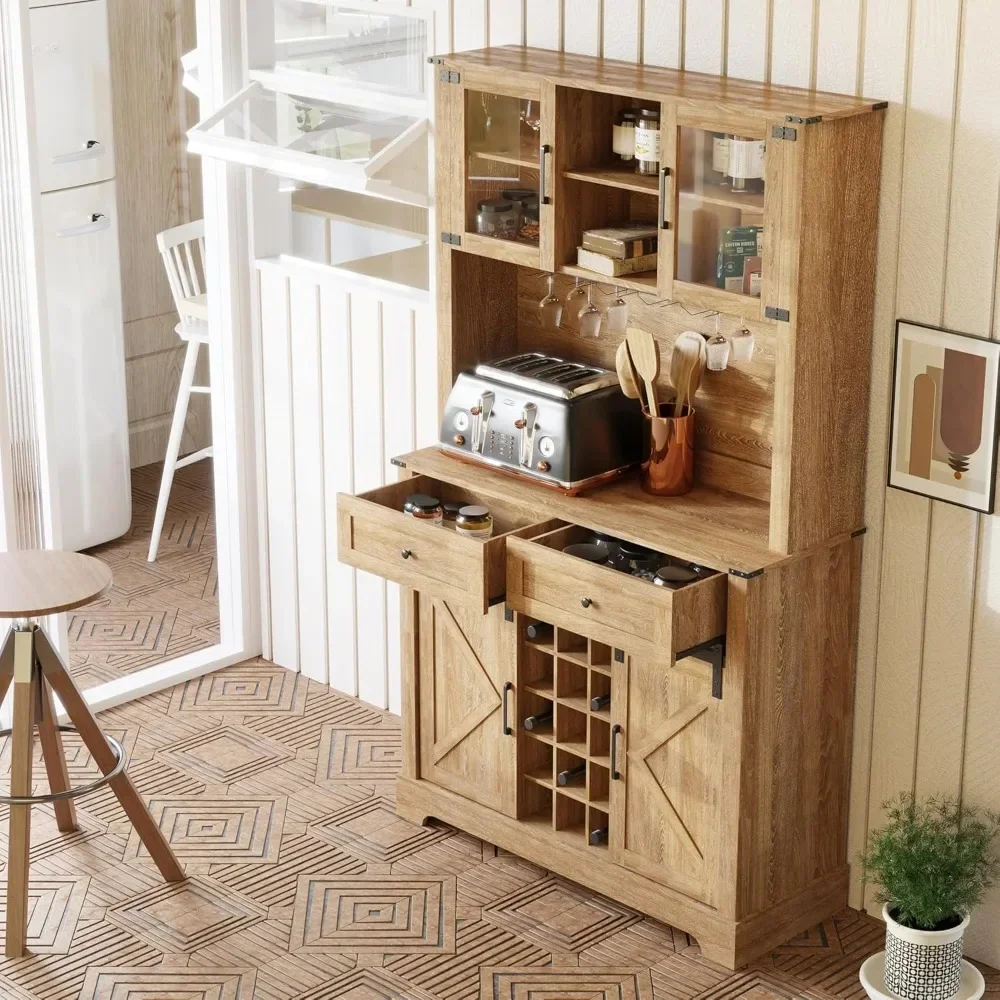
x=932, y=860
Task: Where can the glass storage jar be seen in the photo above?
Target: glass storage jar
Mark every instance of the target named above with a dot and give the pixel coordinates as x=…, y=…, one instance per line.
x=451, y=509
x=647, y=141
x=623, y=138
x=424, y=508
x=638, y=560
x=499, y=218
x=474, y=521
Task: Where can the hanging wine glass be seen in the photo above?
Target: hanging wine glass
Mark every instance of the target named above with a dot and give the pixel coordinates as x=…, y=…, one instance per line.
x=617, y=314
x=550, y=309
x=590, y=316
x=576, y=301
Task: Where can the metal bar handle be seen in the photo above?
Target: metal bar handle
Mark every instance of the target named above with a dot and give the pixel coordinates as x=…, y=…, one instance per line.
x=98, y=223
x=665, y=174
x=543, y=195
x=616, y=731
x=90, y=151
x=507, y=688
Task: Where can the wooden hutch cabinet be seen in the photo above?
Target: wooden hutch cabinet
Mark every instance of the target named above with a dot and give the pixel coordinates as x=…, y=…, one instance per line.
x=707, y=730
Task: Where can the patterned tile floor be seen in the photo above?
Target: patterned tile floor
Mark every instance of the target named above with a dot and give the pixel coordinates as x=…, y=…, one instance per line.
x=277, y=796
x=154, y=611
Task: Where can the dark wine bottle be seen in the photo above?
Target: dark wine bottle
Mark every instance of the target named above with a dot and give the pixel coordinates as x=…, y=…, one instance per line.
x=539, y=632
x=596, y=704
x=533, y=722
x=599, y=836
x=565, y=777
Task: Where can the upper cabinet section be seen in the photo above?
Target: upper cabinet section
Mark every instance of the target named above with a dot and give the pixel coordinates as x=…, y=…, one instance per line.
x=699, y=174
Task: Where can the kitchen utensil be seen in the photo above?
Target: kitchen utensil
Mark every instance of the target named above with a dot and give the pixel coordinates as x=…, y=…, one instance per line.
x=687, y=362
x=627, y=377
x=646, y=358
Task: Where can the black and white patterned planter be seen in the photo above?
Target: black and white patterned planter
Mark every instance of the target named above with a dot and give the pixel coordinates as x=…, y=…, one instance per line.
x=923, y=965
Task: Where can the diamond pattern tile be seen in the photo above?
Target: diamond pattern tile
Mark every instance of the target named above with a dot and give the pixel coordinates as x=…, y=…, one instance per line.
x=359, y=755
x=54, y=906
x=168, y=984
x=566, y=984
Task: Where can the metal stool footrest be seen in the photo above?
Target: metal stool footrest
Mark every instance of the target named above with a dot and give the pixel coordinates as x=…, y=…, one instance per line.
x=70, y=793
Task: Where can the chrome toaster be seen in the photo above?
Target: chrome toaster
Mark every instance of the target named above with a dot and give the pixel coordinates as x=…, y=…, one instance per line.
x=564, y=424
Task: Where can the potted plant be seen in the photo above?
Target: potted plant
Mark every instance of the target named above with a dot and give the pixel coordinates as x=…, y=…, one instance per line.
x=933, y=862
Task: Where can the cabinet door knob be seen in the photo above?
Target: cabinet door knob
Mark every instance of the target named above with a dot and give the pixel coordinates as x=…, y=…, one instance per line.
x=406, y=553
x=586, y=602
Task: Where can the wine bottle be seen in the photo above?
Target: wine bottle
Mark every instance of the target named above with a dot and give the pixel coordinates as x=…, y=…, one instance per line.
x=602, y=701
x=565, y=777
x=539, y=632
x=533, y=722
x=599, y=836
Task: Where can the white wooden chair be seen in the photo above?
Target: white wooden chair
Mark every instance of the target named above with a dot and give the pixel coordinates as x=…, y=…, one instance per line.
x=183, y=251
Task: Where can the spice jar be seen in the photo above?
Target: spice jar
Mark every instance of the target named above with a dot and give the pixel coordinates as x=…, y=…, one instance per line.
x=623, y=138
x=475, y=522
x=746, y=165
x=638, y=560
x=609, y=543
x=451, y=509
x=499, y=218
x=424, y=508
x=647, y=141
x=674, y=577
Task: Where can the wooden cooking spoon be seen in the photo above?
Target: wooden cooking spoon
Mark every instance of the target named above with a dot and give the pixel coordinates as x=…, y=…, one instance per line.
x=627, y=377
x=646, y=358
x=687, y=364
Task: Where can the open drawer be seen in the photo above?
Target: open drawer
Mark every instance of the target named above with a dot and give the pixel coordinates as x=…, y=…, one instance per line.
x=609, y=605
x=375, y=535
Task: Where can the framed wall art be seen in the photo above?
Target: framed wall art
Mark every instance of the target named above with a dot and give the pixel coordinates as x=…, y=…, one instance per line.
x=944, y=419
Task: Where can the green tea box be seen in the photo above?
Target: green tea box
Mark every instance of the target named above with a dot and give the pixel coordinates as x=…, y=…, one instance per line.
x=738, y=245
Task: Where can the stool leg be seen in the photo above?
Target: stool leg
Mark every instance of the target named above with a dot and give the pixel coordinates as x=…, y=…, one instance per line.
x=56, y=674
x=6, y=665
x=19, y=834
x=54, y=757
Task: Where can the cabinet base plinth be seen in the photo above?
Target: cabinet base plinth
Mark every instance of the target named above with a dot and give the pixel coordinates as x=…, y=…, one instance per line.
x=728, y=942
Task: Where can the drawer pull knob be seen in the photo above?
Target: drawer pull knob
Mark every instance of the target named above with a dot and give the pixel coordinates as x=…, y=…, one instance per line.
x=406, y=553
x=586, y=602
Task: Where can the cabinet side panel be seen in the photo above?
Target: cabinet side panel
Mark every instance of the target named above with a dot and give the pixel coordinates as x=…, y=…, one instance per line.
x=833, y=328
x=798, y=654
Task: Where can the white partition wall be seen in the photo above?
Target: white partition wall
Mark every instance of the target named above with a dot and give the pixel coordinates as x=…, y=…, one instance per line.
x=350, y=380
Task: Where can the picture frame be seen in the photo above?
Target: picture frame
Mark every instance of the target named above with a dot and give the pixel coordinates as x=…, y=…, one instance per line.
x=944, y=421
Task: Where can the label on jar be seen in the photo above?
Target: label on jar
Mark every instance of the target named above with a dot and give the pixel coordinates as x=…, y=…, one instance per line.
x=720, y=154
x=647, y=144
x=746, y=158
x=623, y=142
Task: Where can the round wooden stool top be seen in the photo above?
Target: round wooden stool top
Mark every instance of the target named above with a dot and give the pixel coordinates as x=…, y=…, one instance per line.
x=36, y=582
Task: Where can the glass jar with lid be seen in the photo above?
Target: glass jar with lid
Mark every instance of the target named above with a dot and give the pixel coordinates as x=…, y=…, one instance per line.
x=474, y=522
x=638, y=560
x=451, y=510
x=623, y=137
x=647, y=141
x=499, y=218
x=424, y=508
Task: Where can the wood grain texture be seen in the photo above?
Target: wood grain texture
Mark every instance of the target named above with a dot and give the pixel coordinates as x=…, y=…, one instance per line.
x=34, y=583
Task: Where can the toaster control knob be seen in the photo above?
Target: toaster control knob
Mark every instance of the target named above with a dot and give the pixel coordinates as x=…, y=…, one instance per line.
x=521, y=424
x=459, y=439
x=543, y=467
x=547, y=447
x=462, y=420
x=476, y=410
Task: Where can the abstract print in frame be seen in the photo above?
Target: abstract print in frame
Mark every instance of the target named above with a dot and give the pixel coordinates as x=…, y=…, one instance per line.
x=944, y=416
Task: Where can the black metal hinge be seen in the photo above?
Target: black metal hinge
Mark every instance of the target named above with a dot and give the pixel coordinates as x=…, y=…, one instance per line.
x=798, y=120
x=881, y=106
x=783, y=132
x=508, y=614
x=713, y=652
x=619, y=656
x=746, y=574
x=859, y=532
x=450, y=76
x=773, y=312
x=398, y=462
x=452, y=239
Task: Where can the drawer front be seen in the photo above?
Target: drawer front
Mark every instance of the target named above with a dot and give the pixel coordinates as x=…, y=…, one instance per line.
x=72, y=74
x=610, y=606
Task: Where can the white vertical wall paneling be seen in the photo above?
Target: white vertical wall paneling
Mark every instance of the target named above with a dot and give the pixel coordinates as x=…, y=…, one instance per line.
x=544, y=25
x=369, y=473
x=837, y=42
x=927, y=161
x=791, y=42
x=338, y=466
x=506, y=22
x=884, y=75
x=279, y=447
x=747, y=39
x=310, y=498
x=582, y=27
x=704, y=39
x=469, y=24
x=622, y=29
x=426, y=377
x=662, y=33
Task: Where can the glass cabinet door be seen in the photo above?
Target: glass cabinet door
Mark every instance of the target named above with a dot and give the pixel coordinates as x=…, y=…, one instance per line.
x=719, y=219
x=506, y=187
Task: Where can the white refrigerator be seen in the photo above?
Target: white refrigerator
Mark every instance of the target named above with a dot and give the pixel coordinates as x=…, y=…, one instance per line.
x=84, y=349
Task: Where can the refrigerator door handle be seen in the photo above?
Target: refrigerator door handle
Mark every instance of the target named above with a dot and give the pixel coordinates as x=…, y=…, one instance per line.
x=98, y=223
x=90, y=151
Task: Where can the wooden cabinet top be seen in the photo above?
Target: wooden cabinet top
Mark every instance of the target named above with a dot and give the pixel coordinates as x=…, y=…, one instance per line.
x=514, y=63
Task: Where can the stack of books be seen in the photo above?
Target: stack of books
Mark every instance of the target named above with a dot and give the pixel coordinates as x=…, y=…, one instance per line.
x=619, y=250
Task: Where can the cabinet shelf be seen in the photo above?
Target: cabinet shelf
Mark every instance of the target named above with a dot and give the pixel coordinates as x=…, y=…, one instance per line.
x=623, y=178
x=578, y=792
x=542, y=735
x=578, y=702
x=752, y=203
x=541, y=777
x=514, y=161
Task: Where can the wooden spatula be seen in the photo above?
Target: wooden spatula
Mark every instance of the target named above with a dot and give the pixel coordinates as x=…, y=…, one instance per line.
x=687, y=364
x=646, y=358
x=627, y=377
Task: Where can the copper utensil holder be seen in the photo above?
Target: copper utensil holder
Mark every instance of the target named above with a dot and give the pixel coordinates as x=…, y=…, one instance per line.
x=669, y=471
